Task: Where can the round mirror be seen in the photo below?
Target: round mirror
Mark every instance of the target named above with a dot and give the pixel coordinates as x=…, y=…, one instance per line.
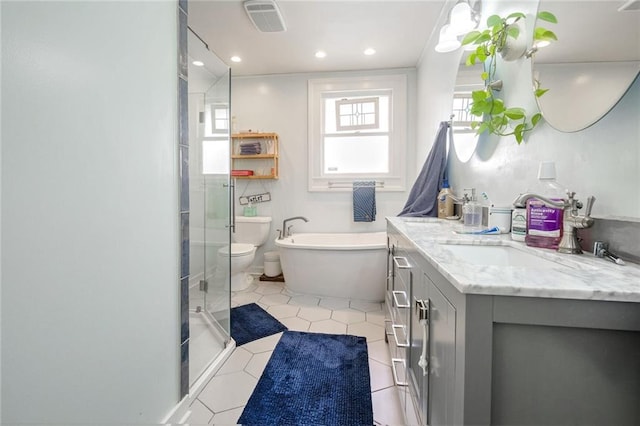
x=592, y=64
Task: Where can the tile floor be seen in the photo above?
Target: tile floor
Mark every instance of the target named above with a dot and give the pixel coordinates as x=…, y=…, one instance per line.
x=222, y=400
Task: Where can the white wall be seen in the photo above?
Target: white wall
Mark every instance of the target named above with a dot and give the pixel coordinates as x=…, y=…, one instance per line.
x=278, y=103
x=90, y=301
x=603, y=160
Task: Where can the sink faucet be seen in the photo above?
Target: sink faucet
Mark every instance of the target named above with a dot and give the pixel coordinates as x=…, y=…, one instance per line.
x=570, y=219
x=285, y=232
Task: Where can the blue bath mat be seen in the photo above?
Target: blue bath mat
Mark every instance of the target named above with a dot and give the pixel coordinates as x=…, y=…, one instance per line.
x=251, y=322
x=313, y=379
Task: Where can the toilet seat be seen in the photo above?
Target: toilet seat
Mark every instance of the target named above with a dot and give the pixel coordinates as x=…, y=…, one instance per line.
x=237, y=249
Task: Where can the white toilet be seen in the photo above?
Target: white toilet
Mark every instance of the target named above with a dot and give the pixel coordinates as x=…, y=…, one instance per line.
x=250, y=233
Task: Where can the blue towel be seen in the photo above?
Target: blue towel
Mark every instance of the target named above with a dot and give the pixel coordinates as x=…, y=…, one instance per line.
x=423, y=198
x=364, y=201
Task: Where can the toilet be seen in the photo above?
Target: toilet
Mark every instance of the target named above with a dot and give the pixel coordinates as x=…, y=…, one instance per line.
x=250, y=233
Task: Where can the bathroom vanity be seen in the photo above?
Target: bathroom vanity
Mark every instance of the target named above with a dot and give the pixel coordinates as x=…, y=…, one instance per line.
x=485, y=330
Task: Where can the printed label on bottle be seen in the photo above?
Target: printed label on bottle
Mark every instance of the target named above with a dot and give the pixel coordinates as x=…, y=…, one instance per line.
x=544, y=221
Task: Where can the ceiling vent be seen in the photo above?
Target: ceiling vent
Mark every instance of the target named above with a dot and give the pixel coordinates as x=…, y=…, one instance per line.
x=630, y=5
x=265, y=15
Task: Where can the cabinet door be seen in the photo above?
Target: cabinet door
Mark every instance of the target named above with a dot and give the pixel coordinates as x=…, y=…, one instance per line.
x=442, y=338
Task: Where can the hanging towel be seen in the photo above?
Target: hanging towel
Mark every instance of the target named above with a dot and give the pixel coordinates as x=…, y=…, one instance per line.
x=364, y=201
x=423, y=198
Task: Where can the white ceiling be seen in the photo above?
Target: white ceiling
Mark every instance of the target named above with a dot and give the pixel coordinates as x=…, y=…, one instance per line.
x=398, y=30
x=588, y=30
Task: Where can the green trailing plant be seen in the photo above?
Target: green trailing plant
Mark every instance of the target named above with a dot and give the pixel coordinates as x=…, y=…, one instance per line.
x=495, y=116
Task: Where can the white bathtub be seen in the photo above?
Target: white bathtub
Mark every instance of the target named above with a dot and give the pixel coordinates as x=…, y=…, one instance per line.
x=348, y=265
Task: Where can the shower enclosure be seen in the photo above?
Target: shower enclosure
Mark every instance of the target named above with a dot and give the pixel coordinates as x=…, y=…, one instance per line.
x=209, y=202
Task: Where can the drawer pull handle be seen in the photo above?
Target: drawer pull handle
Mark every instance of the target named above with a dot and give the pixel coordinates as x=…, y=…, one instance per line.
x=401, y=259
x=394, y=327
x=406, y=303
x=394, y=361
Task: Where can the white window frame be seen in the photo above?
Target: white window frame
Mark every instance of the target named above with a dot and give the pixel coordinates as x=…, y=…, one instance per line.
x=395, y=179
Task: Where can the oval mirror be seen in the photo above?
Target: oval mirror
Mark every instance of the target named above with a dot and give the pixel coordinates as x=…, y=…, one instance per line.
x=465, y=139
x=592, y=64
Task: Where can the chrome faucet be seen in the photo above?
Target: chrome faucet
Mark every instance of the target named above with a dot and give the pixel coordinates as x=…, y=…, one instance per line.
x=285, y=232
x=570, y=219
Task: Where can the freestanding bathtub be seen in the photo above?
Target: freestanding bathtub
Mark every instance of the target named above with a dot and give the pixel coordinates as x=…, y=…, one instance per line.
x=347, y=265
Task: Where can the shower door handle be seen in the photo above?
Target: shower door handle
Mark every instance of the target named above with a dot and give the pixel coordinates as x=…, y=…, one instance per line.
x=232, y=198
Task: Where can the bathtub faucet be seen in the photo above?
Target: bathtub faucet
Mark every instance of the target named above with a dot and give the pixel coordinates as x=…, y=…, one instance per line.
x=285, y=232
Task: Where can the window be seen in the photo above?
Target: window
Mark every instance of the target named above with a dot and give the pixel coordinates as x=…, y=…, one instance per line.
x=215, y=144
x=357, y=131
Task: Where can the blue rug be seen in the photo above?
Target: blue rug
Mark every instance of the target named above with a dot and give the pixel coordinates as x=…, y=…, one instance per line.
x=313, y=379
x=251, y=322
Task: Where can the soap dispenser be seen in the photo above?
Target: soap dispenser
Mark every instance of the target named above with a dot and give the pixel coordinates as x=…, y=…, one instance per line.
x=472, y=211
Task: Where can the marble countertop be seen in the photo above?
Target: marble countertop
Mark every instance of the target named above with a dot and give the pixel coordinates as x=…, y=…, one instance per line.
x=565, y=276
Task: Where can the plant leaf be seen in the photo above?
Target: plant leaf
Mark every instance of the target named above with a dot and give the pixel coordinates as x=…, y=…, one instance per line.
x=479, y=95
x=484, y=75
x=471, y=37
x=513, y=32
x=471, y=60
x=547, y=16
x=517, y=15
x=494, y=20
x=518, y=132
x=541, y=33
x=485, y=36
x=540, y=92
x=536, y=118
x=514, y=113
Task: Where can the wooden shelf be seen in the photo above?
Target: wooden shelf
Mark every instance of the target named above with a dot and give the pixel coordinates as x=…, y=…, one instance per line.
x=259, y=163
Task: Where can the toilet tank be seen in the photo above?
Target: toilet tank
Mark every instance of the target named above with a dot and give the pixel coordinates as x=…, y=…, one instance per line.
x=252, y=230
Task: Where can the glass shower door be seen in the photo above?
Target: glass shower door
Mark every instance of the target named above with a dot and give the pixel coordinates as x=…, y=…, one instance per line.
x=209, y=294
x=218, y=196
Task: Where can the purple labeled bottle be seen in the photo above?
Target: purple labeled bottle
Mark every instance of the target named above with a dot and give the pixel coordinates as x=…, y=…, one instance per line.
x=544, y=223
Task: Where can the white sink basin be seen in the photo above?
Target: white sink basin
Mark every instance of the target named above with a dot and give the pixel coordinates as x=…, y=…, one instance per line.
x=498, y=256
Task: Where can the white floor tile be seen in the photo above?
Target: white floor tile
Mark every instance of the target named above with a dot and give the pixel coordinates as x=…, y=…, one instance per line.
x=304, y=300
x=365, y=306
x=376, y=317
x=283, y=311
x=314, y=313
x=348, y=316
x=258, y=362
x=386, y=407
x=379, y=351
x=265, y=287
x=328, y=326
x=380, y=374
x=228, y=391
x=371, y=331
x=200, y=415
x=229, y=417
x=296, y=324
x=263, y=345
x=237, y=361
x=334, y=303
x=246, y=298
x=274, y=299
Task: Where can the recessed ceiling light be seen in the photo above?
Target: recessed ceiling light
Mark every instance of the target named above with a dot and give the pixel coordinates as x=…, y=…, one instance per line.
x=236, y=59
x=321, y=54
x=198, y=63
x=369, y=51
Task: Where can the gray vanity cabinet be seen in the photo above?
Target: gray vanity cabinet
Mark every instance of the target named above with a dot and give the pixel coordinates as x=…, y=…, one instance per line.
x=413, y=302
x=508, y=360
